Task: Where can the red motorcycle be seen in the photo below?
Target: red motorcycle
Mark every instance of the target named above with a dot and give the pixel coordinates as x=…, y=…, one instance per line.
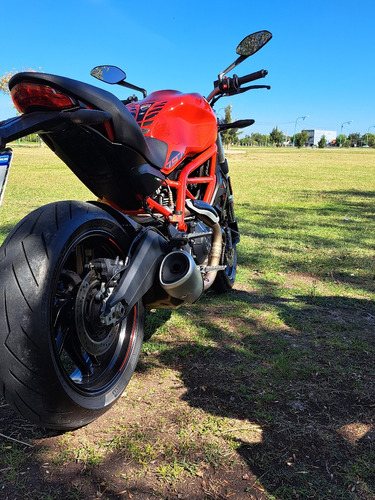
x=76, y=277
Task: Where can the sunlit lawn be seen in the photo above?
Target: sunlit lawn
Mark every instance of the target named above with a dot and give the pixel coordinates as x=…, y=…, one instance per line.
x=273, y=381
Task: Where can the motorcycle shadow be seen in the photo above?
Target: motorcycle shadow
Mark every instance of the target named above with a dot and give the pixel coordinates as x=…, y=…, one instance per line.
x=292, y=393
x=286, y=383
x=155, y=319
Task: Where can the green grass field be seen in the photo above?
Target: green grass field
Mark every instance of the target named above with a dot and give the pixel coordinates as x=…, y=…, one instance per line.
x=308, y=211
x=264, y=393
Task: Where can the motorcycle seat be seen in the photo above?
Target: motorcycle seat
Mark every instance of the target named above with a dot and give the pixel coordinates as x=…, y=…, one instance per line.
x=126, y=129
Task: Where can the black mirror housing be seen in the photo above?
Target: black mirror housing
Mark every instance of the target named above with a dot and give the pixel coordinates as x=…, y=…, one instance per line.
x=252, y=43
x=108, y=74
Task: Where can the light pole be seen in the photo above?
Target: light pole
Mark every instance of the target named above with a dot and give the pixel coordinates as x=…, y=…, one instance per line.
x=295, y=126
x=349, y=122
x=368, y=130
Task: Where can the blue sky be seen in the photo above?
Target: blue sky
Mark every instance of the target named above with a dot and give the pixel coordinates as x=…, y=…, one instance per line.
x=320, y=60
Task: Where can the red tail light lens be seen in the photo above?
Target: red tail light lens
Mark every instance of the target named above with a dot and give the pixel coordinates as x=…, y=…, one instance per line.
x=33, y=96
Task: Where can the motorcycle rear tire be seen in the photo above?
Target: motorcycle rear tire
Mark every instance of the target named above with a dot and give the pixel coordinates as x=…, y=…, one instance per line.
x=45, y=372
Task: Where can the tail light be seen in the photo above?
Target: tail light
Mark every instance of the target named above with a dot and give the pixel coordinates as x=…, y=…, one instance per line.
x=33, y=96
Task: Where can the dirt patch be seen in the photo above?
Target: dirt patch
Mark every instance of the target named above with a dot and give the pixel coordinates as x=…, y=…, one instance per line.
x=150, y=444
x=257, y=395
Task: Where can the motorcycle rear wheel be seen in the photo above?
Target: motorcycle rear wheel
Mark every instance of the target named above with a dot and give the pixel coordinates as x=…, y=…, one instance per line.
x=60, y=368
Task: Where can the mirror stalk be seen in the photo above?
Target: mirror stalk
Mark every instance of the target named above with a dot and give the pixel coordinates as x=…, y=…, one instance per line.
x=232, y=66
x=133, y=87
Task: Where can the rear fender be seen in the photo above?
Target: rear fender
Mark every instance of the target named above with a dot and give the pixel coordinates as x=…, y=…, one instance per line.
x=124, y=220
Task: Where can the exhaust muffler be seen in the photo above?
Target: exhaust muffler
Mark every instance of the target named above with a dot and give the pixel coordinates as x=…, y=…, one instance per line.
x=180, y=277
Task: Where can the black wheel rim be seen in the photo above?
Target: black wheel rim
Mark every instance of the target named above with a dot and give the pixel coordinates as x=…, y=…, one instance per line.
x=88, y=370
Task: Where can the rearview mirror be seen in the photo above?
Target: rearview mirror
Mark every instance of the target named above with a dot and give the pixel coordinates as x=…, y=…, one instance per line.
x=108, y=74
x=248, y=47
x=253, y=43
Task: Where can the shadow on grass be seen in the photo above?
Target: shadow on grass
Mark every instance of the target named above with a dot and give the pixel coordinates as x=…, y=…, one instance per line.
x=308, y=383
x=331, y=237
x=303, y=376
x=351, y=193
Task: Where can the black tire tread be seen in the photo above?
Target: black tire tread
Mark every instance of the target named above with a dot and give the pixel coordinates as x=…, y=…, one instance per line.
x=27, y=259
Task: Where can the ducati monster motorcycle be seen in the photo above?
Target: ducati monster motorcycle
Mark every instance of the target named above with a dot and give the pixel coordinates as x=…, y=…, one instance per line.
x=76, y=277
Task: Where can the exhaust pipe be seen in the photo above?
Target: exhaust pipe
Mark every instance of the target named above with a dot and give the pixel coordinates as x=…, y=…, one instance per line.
x=180, y=277
x=207, y=214
x=215, y=254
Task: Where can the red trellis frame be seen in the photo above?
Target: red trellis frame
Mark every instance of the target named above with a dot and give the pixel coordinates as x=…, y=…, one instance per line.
x=181, y=186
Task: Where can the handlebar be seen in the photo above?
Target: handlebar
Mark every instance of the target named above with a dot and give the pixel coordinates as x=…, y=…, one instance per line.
x=251, y=77
x=230, y=86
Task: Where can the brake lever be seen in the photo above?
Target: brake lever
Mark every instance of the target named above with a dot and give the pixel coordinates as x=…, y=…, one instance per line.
x=252, y=87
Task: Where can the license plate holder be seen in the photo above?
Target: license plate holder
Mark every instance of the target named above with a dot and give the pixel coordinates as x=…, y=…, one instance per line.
x=6, y=156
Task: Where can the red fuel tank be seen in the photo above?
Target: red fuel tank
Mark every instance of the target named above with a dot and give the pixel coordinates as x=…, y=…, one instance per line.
x=185, y=122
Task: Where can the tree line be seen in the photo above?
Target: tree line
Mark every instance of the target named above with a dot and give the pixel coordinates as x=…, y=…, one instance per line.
x=277, y=137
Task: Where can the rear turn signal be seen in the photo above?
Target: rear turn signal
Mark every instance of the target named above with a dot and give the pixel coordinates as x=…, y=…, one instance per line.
x=29, y=97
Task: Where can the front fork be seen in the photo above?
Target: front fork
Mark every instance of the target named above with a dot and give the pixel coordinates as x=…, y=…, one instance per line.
x=220, y=149
x=228, y=204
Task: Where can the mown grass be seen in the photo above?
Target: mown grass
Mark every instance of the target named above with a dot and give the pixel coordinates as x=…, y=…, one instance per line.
x=311, y=211
x=267, y=392
x=37, y=177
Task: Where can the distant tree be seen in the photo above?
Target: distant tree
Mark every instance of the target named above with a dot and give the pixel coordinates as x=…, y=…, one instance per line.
x=245, y=141
x=369, y=140
x=343, y=140
x=301, y=139
x=229, y=136
x=276, y=136
x=322, y=142
x=305, y=136
x=4, y=82
x=297, y=140
x=354, y=139
x=257, y=138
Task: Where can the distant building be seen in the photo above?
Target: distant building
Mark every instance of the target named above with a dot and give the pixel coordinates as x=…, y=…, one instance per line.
x=316, y=135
